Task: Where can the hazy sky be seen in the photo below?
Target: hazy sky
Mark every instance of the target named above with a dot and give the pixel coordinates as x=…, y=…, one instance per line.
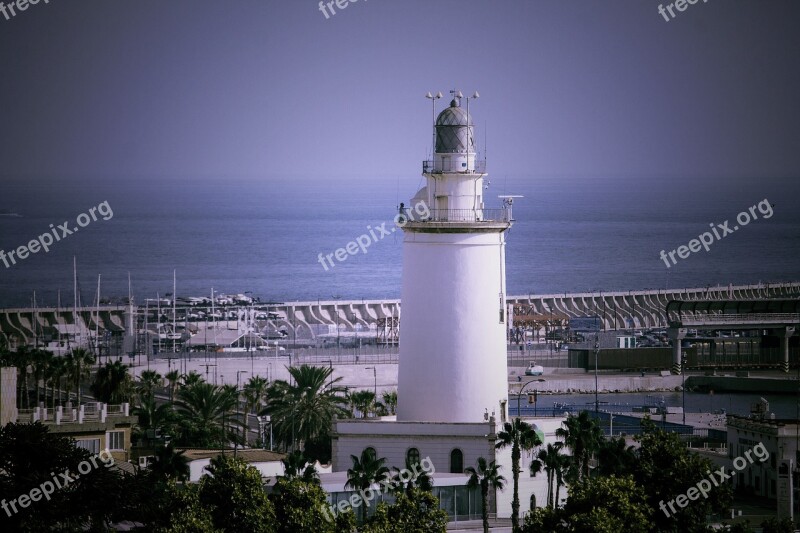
x=267, y=89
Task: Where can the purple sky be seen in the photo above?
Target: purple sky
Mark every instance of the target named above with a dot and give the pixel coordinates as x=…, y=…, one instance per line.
x=265, y=89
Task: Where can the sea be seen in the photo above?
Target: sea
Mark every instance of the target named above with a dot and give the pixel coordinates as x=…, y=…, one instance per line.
x=265, y=236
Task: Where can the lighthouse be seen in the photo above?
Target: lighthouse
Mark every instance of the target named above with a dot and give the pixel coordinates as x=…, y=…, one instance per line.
x=453, y=329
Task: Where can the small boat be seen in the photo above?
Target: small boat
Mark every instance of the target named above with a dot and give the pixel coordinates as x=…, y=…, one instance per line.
x=9, y=213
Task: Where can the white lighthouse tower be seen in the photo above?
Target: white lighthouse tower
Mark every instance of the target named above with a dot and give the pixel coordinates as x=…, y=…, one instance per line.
x=453, y=328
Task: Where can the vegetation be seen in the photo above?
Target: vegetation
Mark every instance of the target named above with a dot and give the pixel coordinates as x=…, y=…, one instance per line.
x=486, y=476
x=367, y=470
x=521, y=437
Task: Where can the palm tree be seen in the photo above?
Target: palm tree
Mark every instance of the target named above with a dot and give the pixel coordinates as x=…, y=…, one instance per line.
x=80, y=362
x=148, y=381
x=390, y=401
x=554, y=464
x=615, y=457
x=169, y=464
x=204, y=412
x=366, y=471
x=151, y=417
x=364, y=401
x=192, y=378
x=583, y=436
x=56, y=370
x=112, y=384
x=40, y=360
x=421, y=480
x=305, y=410
x=21, y=359
x=255, y=391
x=522, y=437
x=296, y=466
x=486, y=476
x=172, y=377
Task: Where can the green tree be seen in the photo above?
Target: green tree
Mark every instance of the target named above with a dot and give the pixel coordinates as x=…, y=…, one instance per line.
x=149, y=380
x=582, y=435
x=521, y=437
x=777, y=525
x=173, y=378
x=235, y=495
x=555, y=464
x=56, y=371
x=607, y=505
x=415, y=511
x=364, y=402
x=151, y=417
x=390, y=401
x=486, y=476
x=296, y=466
x=179, y=510
x=31, y=456
x=301, y=506
x=304, y=411
x=615, y=457
x=40, y=361
x=79, y=362
x=666, y=468
x=366, y=471
x=206, y=415
x=170, y=464
x=112, y=383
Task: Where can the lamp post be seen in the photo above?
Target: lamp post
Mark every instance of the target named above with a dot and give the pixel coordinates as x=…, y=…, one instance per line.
x=433, y=99
x=375, y=376
x=522, y=389
x=236, y=443
x=683, y=386
x=596, y=355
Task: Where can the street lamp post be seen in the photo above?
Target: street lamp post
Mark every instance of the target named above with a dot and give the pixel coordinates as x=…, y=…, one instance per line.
x=236, y=443
x=522, y=389
x=375, y=376
x=596, y=355
x=683, y=387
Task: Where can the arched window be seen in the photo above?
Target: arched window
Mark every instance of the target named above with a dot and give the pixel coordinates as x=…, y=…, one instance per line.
x=370, y=453
x=412, y=456
x=456, y=461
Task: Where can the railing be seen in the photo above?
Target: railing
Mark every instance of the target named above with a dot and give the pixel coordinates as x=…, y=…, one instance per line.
x=462, y=215
x=437, y=167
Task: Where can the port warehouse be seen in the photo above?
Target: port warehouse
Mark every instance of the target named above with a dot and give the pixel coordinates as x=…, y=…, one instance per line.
x=706, y=353
x=377, y=322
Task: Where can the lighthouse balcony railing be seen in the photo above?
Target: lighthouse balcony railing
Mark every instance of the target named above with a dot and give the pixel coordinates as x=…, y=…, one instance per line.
x=464, y=215
x=437, y=167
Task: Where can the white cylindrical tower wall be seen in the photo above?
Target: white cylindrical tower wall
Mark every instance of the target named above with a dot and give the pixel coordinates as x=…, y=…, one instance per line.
x=453, y=329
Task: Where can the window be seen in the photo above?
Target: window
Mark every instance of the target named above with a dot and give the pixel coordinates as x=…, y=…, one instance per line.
x=370, y=453
x=412, y=456
x=456, y=462
x=116, y=440
x=91, y=445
